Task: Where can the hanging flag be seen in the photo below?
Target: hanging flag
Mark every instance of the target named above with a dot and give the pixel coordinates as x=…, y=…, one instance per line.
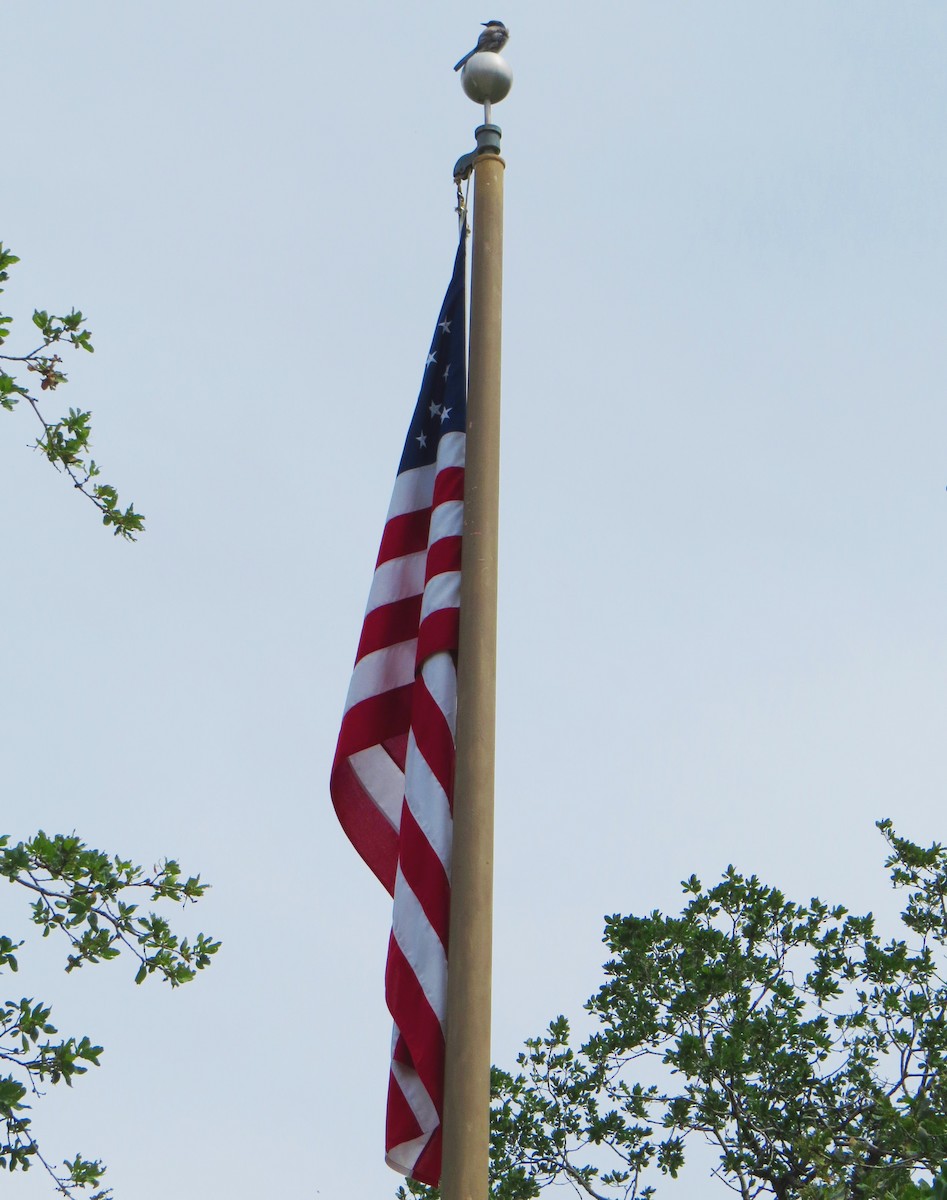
x=393, y=775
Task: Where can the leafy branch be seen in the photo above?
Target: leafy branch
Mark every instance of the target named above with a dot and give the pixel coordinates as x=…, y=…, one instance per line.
x=64, y=442
x=94, y=901
x=807, y=1048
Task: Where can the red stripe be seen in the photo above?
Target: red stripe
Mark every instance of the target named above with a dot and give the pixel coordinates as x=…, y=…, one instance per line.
x=442, y=557
x=366, y=826
x=400, y=1053
x=397, y=749
x=439, y=633
x=434, y=739
x=388, y=625
x=374, y=720
x=401, y=1124
x=405, y=534
x=425, y=874
x=428, y=1167
x=448, y=485
x=417, y=1021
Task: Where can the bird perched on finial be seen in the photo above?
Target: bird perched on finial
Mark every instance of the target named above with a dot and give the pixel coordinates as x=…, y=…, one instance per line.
x=494, y=37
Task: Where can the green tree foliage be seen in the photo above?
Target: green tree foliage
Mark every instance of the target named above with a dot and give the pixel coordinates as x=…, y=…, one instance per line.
x=803, y=1045
x=64, y=442
x=91, y=900
x=94, y=903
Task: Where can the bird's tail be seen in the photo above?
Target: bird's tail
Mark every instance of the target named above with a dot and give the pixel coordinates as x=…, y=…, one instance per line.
x=468, y=55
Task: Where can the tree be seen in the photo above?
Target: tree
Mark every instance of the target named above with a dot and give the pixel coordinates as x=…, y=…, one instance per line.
x=796, y=1040
x=81, y=894
x=64, y=442
x=92, y=900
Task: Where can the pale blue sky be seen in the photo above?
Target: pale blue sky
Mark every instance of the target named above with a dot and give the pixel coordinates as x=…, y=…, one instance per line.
x=722, y=622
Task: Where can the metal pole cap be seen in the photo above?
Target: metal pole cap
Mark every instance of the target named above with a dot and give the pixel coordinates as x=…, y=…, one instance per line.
x=487, y=78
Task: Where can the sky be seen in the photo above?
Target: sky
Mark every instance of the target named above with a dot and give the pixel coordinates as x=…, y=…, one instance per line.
x=723, y=506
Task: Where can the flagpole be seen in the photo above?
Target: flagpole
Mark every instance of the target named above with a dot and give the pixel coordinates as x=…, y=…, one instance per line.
x=486, y=79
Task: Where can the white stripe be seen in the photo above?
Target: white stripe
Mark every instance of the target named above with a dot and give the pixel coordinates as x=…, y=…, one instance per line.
x=450, y=450
x=413, y=489
x=383, y=779
x=397, y=579
x=382, y=671
x=420, y=946
x=403, y=1158
x=414, y=1090
x=440, y=677
x=442, y=591
x=447, y=520
x=428, y=803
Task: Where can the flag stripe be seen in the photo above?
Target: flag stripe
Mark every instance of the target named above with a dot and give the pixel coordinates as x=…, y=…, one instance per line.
x=443, y=559
x=397, y=579
x=397, y=622
x=438, y=757
x=365, y=823
x=449, y=483
x=406, y=992
x=375, y=720
x=437, y=629
x=382, y=777
x=426, y=875
x=440, y=592
x=427, y=1166
x=386, y=669
x=447, y=520
x=409, y=486
x=406, y=534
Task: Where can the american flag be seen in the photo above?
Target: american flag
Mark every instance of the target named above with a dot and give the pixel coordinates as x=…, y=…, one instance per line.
x=393, y=775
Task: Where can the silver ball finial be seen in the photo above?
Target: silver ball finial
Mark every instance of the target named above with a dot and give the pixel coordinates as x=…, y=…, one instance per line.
x=487, y=78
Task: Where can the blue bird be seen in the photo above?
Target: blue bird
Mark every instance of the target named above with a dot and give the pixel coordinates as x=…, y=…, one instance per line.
x=494, y=38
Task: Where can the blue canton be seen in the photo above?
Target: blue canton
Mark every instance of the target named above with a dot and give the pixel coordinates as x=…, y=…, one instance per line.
x=442, y=402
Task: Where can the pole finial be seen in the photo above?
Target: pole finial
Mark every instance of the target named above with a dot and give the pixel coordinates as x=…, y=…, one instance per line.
x=487, y=79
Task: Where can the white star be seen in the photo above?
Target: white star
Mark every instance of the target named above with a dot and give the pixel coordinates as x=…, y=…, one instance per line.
x=434, y=409
x=432, y=357
x=445, y=411
x=447, y=370
x=445, y=325
x=421, y=439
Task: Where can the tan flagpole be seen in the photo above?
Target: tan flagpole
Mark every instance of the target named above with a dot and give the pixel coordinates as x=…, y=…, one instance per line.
x=466, y=1148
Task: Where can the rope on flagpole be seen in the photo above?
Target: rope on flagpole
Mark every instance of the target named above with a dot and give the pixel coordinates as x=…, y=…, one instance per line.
x=461, y=207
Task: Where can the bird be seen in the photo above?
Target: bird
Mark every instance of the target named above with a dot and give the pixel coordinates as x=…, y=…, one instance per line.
x=494, y=37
